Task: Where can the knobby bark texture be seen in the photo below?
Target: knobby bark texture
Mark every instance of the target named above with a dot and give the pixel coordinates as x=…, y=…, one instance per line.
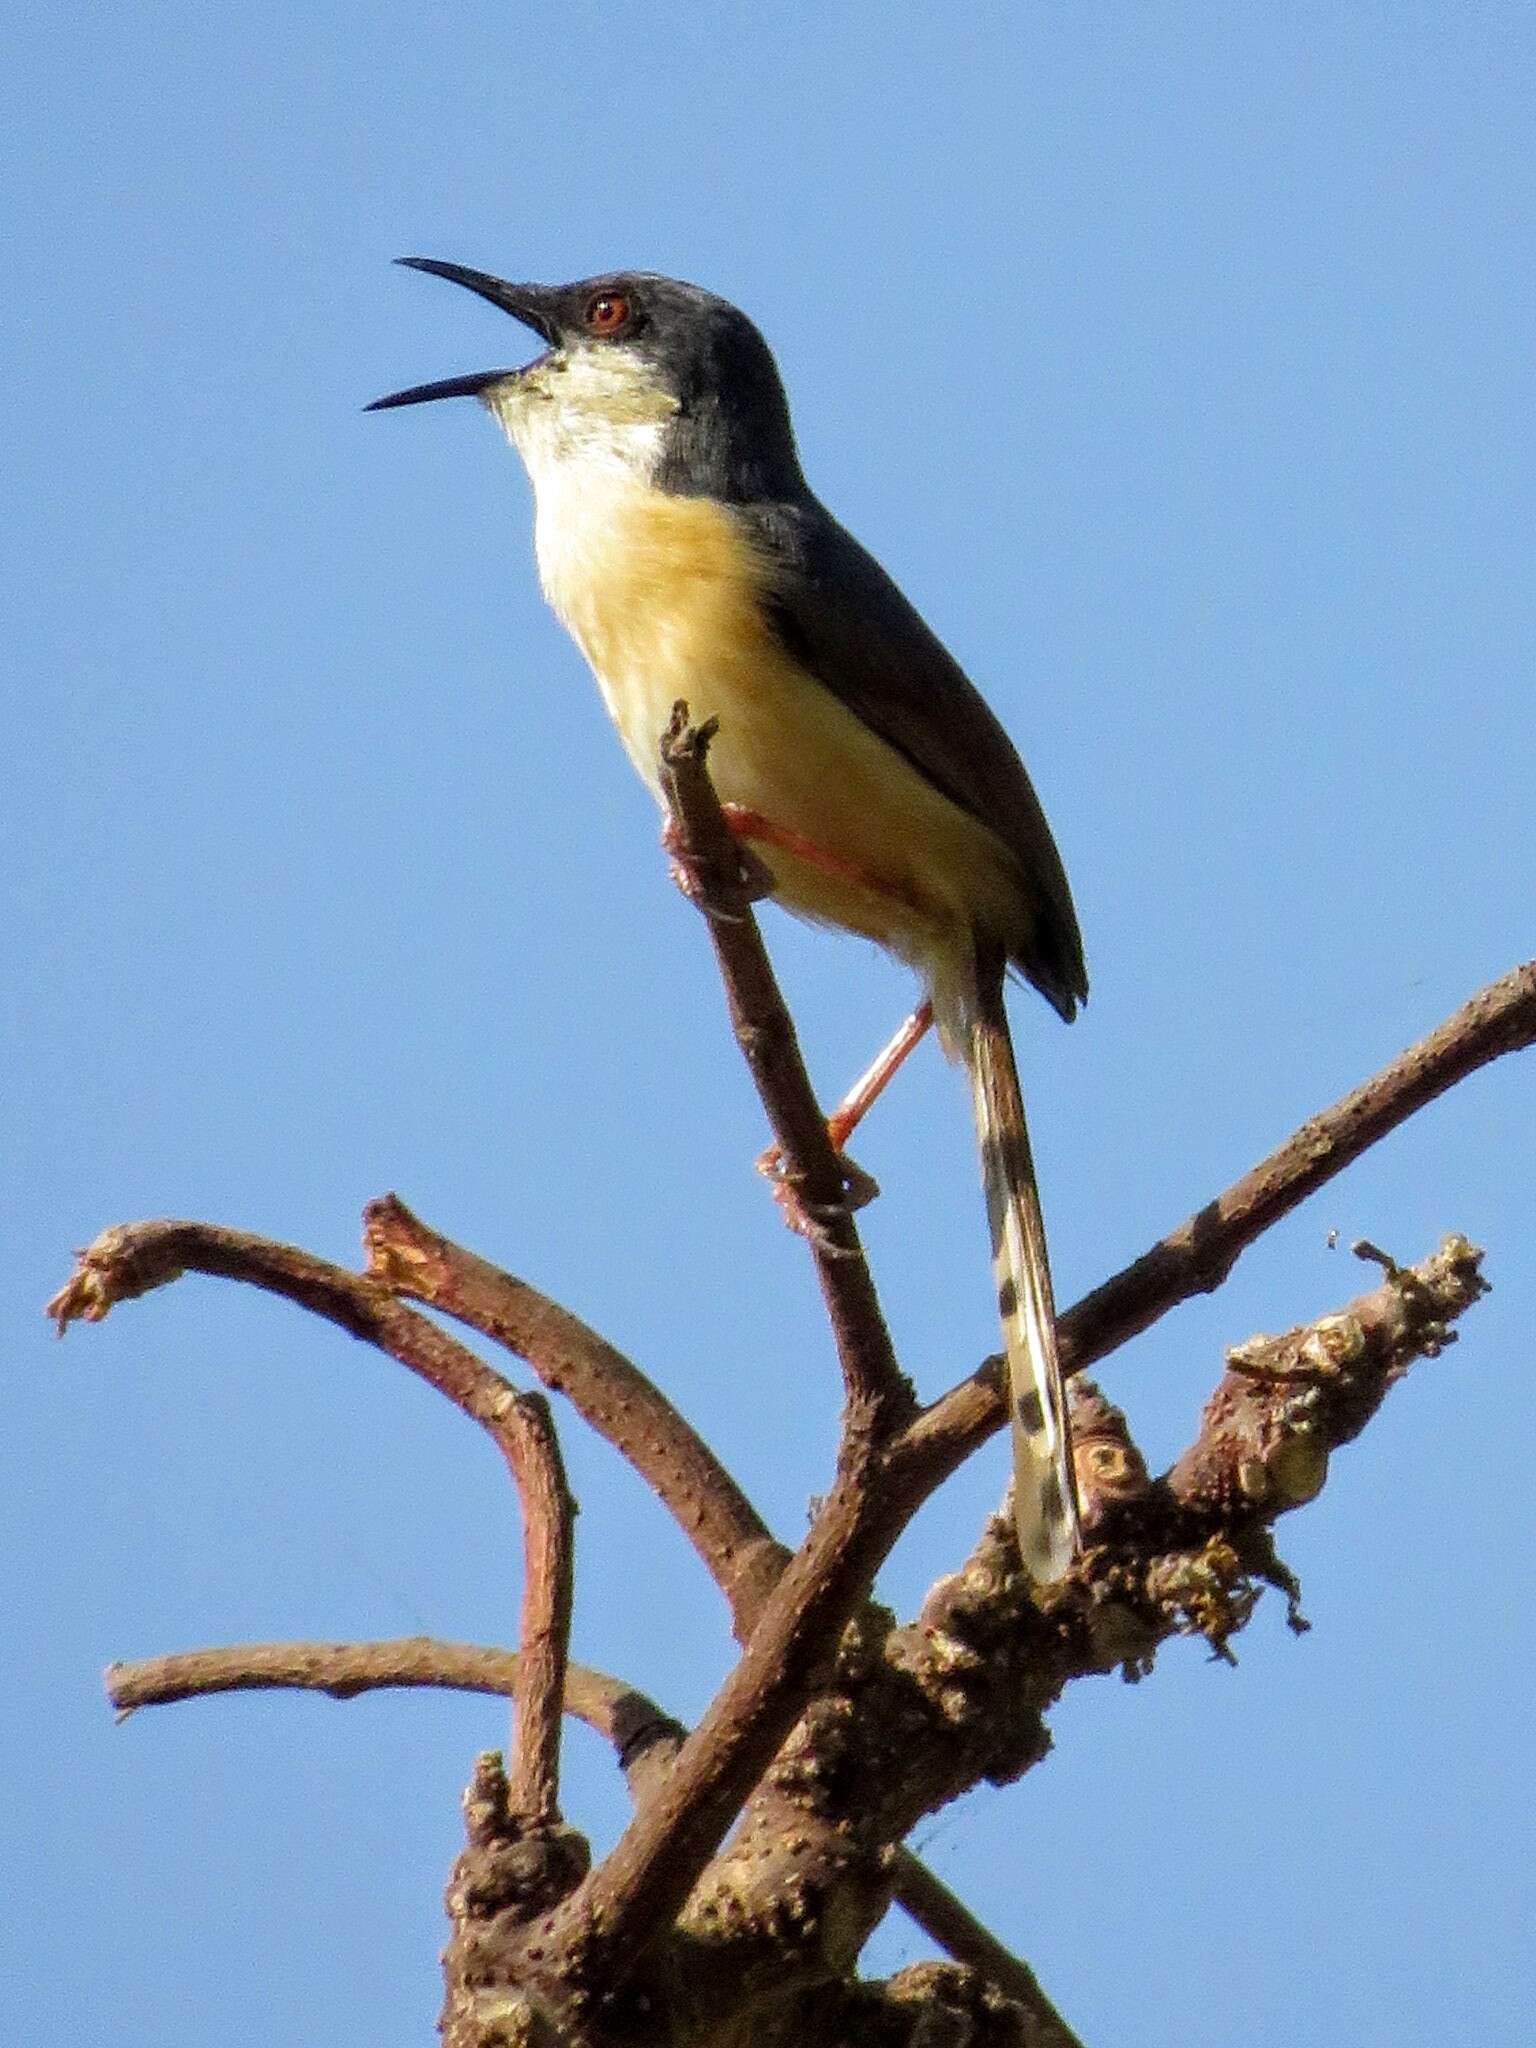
x=766, y=1843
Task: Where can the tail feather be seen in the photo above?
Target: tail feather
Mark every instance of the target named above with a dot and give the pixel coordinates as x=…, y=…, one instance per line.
x=1045, y=1497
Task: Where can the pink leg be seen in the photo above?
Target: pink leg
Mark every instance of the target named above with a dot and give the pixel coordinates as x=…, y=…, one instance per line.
x=844, y=1120
x=748, y=825
x=872, y=1083
x=877, y=1076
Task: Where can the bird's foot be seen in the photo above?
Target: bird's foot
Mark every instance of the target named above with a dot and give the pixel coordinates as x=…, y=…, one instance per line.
x=754, y=876
x=814, y=1219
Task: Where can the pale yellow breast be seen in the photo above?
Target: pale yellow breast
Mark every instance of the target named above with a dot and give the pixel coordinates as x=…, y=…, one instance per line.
x=662, y=595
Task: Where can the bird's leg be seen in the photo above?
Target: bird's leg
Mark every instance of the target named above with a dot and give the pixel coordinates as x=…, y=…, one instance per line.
x=860, y=1187
x=746, y=825
x=872, y=1083
x=849, y=1114
x=877, y=1076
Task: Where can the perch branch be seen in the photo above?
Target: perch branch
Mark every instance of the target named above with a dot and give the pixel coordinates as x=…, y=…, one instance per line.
x=979, y=1654
x=607, y=1924
x=610, y=1393
x=533, y=1775
x=1196, y=1257
x=878, y=1396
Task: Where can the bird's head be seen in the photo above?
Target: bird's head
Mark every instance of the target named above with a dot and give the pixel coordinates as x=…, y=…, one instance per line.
x=645, y=370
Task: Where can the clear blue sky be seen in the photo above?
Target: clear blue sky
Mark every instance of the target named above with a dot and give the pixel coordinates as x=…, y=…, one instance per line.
x=1178, y=360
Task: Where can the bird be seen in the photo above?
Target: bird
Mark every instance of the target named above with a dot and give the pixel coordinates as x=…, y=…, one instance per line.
x=679, y=543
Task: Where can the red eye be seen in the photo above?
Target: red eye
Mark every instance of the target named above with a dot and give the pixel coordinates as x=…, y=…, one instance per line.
x=608, y=313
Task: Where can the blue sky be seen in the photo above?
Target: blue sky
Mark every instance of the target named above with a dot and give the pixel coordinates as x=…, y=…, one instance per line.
x=1178, y=361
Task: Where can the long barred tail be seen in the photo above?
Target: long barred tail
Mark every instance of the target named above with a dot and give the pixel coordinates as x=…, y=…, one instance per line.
x=1045, y=1498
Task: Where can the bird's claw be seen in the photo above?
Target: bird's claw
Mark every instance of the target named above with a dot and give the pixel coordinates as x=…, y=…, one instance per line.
x=753, y=876
x=814, y=1220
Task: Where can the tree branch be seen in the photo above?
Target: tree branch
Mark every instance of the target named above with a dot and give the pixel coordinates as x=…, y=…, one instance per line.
x=132, y=1259
x=1196, y=1257
x=910, y=1717
x=640, y=1887
x=533, y=1774
x=597, y=1936
x=879, y=1398
x=644, y=1738
x=1185, y=1554
x=951, y=1923
x=612, y=1395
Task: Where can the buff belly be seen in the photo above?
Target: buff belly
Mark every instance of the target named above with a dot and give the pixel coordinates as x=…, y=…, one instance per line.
x=663, y=594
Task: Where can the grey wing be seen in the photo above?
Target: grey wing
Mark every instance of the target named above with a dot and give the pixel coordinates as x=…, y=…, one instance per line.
x=838, y=612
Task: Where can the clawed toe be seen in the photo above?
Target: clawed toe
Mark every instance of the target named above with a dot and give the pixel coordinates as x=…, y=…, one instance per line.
x=814, y=1219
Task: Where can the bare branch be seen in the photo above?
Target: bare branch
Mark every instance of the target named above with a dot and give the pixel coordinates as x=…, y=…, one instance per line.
x=641, y=1885
x=950, y=1922
x=131, y=1259
x=908, y=1718
x=1285, y=1403
x=612, y=1395
x=968, y=1643
x=642, y=1735
x=533, y=1777
x=1197, y=1257
x=928, y=2005
x=1191, y=1552
x=964, y=1685
x=644, y=1738
x=878, y=1396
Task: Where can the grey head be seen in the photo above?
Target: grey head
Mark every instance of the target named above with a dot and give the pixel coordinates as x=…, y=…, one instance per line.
x=728, y=433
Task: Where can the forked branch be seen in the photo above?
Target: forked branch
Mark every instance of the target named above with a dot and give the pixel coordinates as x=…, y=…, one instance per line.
x=640, y=1887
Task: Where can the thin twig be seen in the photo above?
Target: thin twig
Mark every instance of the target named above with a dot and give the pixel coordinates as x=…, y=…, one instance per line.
x=951, y=1923
x=642, y=1735
x=1196, y=1257
x=878, y=1397
x=610, y=1393
x=533, y=1772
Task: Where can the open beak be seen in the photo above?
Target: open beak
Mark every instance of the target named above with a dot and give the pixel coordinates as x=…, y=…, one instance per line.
x=530, y=303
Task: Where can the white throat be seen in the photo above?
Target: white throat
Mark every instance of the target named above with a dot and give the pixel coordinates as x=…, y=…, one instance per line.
x=594, y=411
x=590, y=426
